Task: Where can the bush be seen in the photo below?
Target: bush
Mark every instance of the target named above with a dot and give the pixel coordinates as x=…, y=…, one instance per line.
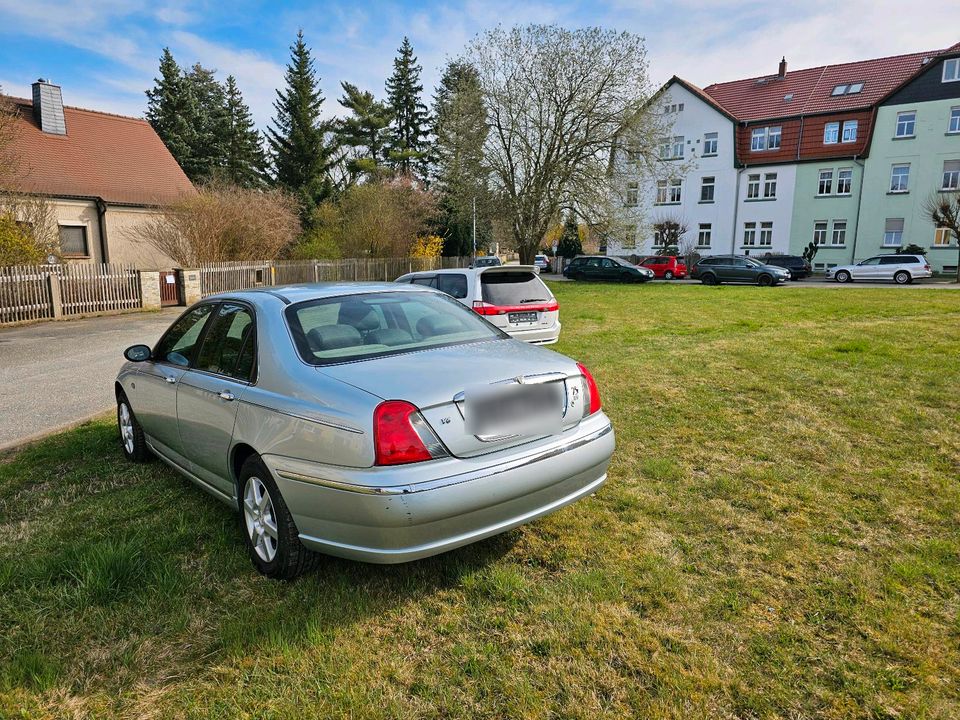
x=17, y=243
x=427, y=247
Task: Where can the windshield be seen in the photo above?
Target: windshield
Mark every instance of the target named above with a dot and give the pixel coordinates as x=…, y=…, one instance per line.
x=360, y=327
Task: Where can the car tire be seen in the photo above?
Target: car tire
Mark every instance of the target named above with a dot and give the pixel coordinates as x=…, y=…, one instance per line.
x=765, y=280
x=263, y=515
x=842, y=276
x=132, y=441
x=902, y=277
x=709, y=279
x=668, y=275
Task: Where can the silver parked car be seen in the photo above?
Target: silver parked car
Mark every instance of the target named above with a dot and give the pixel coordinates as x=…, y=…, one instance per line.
x=902, y=269
x=377, y=422
x=512, y=297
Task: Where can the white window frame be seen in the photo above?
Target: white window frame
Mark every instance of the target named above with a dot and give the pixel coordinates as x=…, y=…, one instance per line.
x=633, y=195
x=900, y=187
x=903, y=123
x=942, y=237
x=954, y=126
x=677, y=148
x=770, y=186
x=711, y=144
x=844, y=179
x=676, y=191
x=831, y=133
x=829, y=182
x=838, y=236
x=712, y=185
x=755, y=135
x=705, y=235
x=893, y=238
x=662, y=193
x=852, y=126
x=951, y=178
x=766, y=234
x=774, y=132
x=753, y=187
x=749, y=234
x=820, y=228
x=955, y=75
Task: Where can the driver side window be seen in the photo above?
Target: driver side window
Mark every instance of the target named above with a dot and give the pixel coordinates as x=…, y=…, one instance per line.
x=871, y=261
x=179, y=345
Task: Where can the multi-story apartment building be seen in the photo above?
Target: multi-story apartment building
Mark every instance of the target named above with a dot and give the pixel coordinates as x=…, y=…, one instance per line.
x=798, y=167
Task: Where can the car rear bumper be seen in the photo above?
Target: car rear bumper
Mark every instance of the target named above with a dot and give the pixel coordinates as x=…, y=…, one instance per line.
x=540, y=335
x=378, y=515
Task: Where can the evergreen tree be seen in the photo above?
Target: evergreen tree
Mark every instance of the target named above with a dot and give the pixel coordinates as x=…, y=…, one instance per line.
x=210, y=123
x=244, y=161
x=300, y=152
x=570, y=245
x=171, y=111
x=364, y=130
x=459, y=173
x=408, y=146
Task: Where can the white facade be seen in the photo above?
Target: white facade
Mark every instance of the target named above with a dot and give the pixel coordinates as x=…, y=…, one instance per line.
x=767, y=216
x=698, y=124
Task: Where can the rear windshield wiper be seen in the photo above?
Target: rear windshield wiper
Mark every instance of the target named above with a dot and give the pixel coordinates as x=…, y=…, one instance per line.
x=526, y=300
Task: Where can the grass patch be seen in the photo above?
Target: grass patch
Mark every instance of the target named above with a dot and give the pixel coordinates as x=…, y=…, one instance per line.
x=780, y=537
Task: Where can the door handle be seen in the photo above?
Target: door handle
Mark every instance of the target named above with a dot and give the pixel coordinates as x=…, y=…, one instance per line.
x=227, y=395
x=170, y=379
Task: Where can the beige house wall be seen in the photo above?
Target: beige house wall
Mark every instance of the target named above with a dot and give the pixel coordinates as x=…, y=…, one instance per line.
x=125, y=242
x=82, y=213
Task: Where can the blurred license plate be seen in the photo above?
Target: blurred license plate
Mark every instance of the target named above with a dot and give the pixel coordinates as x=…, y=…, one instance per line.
x=522, y=317
x=515, y=409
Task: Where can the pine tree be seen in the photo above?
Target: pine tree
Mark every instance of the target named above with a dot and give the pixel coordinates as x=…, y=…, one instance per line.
x=300, y=153
x=244, y=161
x=570, y=245
x=459, y=174
x=365, y=130
x=408, y=146
x=210, y=123
x=171, y=110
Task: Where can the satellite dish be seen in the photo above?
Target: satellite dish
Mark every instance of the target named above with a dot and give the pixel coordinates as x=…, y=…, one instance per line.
x=51, y=259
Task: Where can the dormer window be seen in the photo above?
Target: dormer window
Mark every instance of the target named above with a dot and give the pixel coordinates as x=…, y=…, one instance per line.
x=951, y=70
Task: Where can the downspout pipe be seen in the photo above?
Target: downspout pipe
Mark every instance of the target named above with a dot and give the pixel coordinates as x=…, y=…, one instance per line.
x=102, y=227
x=856, y=233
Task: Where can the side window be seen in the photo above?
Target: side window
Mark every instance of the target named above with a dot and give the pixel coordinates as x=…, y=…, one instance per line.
x=426, y=281
x=593, y=262
x=894, y=260
x=453, y=284
x=872, y=261
x=179, y=345
x=229, y=347
x=608, y=264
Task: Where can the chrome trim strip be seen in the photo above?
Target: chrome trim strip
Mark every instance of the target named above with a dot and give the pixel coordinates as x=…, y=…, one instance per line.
x=318, y=421
x=204, y=485
x=447, y=481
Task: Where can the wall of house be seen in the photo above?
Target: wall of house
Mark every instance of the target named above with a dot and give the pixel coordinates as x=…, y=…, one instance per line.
x=692, y=123
x=926, y=153
x=778, y=210
x=80, y=213
x=125, y=240
x=810, y=207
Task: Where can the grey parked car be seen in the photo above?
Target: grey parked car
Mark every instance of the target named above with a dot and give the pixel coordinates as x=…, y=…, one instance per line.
x=377, y=422
x=717, y=269
x=902, y=269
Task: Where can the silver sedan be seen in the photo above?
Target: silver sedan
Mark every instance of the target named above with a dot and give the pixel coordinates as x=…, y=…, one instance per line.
x=381, y=423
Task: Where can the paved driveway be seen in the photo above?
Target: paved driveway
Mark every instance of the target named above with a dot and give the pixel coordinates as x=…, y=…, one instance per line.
x=56, y=374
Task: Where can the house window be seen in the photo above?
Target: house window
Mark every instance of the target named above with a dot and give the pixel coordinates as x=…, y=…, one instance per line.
x=677, y=148
x=630, y=237
x=753, y=187
x=750, y=234
x=825, y=187
x=839, y=237
x=73, y=241
x=844, y=181
x=633, y=194
x=758, y=139
x=633, y=156
x=659, y=237
x=893, y=232
x=770, y=185
x=707, y=186
x=951, y=175
x=705, y=236
x=831, y=133
x=855, y=88
x=820, y=232
x=710, y=144
x=942, y=237
x=850, y=131
x=954, y=120
x=661, y=192
x=899, y=178
x=951, y=70
x=906, y=124
x=665, y=149
x=773, y=138
x=766, y=234
x=676, y=190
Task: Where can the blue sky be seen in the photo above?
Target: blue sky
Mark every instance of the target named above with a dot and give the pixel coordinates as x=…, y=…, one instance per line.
x=105, y=53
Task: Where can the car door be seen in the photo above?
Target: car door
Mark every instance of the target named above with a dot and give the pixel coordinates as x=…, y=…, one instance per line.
x=592, y=270
x=154, y=397
x=209, y=392
x=609, y=270
x=888, y=267
x=869, y=269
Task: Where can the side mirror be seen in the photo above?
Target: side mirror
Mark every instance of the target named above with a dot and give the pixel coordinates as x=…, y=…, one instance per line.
x=137, y=353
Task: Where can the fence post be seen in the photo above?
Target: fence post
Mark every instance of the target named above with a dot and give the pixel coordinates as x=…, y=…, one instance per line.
x=149, y=289
x=189, y=290
x=56, y=301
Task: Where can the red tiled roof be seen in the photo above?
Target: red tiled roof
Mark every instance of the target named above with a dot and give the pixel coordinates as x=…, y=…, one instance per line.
x=120, y=159
x=762, y=98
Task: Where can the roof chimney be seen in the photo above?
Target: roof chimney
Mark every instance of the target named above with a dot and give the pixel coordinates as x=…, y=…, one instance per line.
x=782, y=70
x=48, y=107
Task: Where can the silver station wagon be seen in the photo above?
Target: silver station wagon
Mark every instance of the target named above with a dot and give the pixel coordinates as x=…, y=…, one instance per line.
x=379, y=422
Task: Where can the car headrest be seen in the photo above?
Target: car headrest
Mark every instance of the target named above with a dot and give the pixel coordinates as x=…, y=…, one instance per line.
x=432, y=325
x=359, y=315
x=389, y=336
x=331, y=337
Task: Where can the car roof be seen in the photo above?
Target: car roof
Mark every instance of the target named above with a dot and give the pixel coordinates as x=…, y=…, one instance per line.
x=289, y=294
x=475, y=271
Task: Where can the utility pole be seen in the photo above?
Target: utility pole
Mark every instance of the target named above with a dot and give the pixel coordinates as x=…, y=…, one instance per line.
x=474, y=227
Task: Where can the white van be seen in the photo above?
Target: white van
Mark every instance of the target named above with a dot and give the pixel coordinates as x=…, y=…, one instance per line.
x=512, y=297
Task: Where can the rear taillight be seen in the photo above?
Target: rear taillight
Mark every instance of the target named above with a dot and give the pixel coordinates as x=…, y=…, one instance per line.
x=592, y=390
x=483, y=308
x=401, y=435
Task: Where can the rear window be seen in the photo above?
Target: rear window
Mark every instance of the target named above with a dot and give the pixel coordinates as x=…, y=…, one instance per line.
x=513, y=288
x=360, y=327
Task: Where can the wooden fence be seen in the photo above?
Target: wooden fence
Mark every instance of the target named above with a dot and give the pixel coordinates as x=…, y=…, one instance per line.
x=37, y=292
x=240, y=275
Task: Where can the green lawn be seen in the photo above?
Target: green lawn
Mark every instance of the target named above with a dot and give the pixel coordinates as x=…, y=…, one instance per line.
x=779, y=537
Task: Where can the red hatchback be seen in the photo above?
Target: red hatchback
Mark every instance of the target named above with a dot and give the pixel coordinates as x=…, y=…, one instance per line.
x=666, y=266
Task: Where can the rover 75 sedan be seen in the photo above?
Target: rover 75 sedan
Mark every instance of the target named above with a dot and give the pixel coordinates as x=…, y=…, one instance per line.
x=379, y=422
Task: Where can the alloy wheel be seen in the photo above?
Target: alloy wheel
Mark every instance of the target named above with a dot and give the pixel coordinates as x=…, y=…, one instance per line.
x=260, y=519
x=126, y=428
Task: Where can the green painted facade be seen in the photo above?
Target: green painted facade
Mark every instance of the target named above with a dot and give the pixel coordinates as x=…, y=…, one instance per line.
x=811, y=207
x=926, y=153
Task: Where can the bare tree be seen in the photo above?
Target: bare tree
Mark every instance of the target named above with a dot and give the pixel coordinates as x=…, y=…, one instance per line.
x=943, y=208
x=670, y=231
x=223, y=222
x=557, y=101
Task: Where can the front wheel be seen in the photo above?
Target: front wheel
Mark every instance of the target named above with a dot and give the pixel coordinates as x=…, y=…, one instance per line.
x=765, y=281
x=902, y=278
x=132, y=441
x=272, y=539
x=842, y=276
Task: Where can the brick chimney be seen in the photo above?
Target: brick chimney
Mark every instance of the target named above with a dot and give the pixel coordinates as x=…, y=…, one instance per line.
x=48, y=107
x=782, y=70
